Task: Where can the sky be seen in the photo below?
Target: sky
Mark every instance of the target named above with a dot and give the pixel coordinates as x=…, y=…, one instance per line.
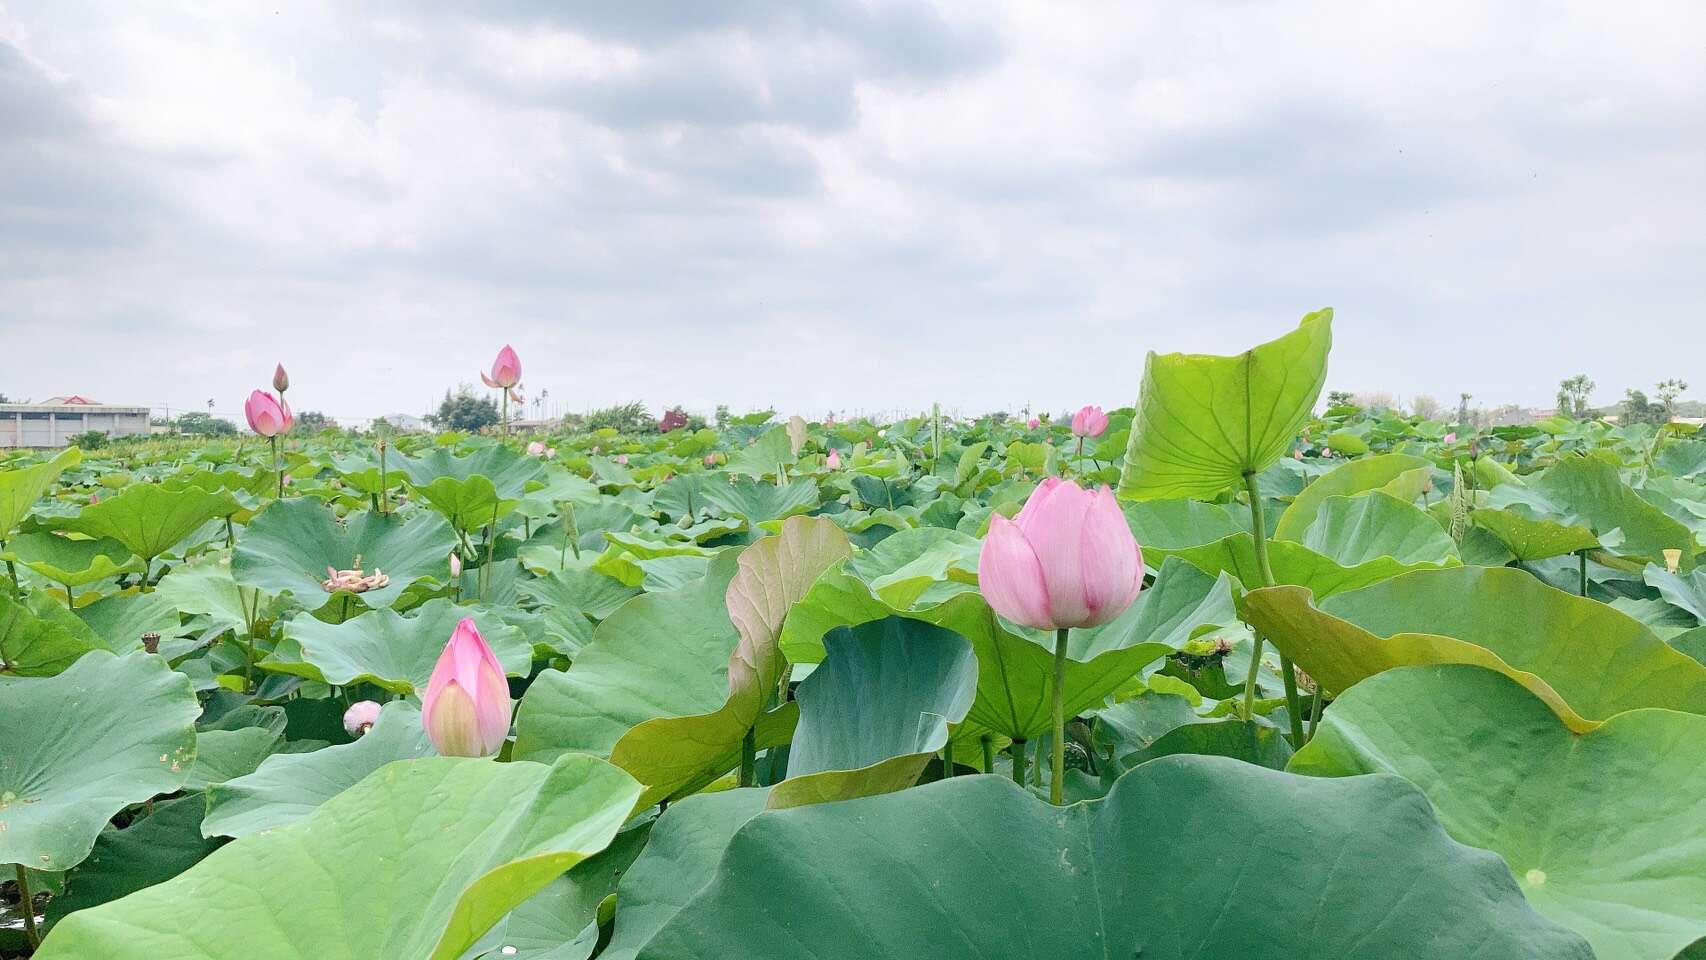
x=838, y=205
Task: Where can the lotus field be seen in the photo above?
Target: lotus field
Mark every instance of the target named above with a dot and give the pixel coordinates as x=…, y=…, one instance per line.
x=1227, y=674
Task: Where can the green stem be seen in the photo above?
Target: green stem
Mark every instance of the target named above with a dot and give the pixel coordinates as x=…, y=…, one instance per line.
x=1258, y=528
x=230, y=535
x=384, y=490
x=70, y=602
x=748, y=757
x=1057, y=712
x=1018, y=751
x=948, y=758
x=1582, y=564
x=147, y=569
x=506, y=410
x=26, y=906
x=491, y=549
x=1314, y=714
x=249, y=617
x=988, y=754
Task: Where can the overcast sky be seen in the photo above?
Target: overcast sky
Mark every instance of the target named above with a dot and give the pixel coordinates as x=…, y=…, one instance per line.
x=842, y=205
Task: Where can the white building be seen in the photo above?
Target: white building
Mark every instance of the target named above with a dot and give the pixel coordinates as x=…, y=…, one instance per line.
x=53, y=421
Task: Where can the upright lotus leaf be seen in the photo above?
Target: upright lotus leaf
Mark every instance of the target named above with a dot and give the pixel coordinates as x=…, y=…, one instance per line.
x=875, y=711
x=1605, y=831
x=1587, y=660
x=150, y=849
x=1398, y=474
x=1293, y=563
x=1687, y=592
x=903, y=566
x=1355, y=530
x=1589, y=492
x=416, y=861
x=71, y=561
x=671, y=752
x=289, y=545
x=763, y=456
x=288, y=786
x=1277, y=866
x=223, y=755
x=394, y=651
x=1175, y=524
x=1203, y=422
x=39, y=637
x=206, y=587
x=1529, y=537
x=757, y=501
x=81, y=746
x=148, y=518
x=20, y=488
x=664, y=654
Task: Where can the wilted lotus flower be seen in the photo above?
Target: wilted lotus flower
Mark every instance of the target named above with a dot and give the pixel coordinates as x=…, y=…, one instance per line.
x=1067, y=560
x=1673, y=559
x=1089, y=422
x=466, y=708
x=1451, y=437
x=360, y=717
x=535, y=448
x=622, y=458
x=1033, y=423
x=280, y=379
x=834, y=461
x=455, y=564
x=265, y=414
x=506, y=370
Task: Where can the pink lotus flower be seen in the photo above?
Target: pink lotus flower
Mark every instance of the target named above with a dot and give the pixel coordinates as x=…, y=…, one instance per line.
x=1089, y=422
x=466, y=708
x=360, y=717
x=266, y=415
x=1067, y=560
x=535, y=448
x=710, y=459
x=1326, y=451
x=829, y=421
x=506, y=370
x=1297, y=454
x=280, y=379
x=834, y=461
x=1033, y=423
x=622, y=458
x=1451, y=437
x=94, y=498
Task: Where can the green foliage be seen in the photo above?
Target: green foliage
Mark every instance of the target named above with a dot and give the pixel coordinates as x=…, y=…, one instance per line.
x=198, y=424
x=464, y=411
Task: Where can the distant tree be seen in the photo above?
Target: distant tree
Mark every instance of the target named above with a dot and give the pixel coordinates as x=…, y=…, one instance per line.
x=312, y=421
x=201, y=424
x=1573, y=396
x=1375, y=402
x=1463, y=409
x=623, y=418
x=1668, y=391
x=464, y=411
x=89, y=440
x=722, y=416
x=1339, y=398
x=1425, y=407
x=4, y=399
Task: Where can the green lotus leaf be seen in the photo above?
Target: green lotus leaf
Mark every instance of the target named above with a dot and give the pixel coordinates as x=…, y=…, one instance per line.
x=289, y=545
x=207, y=588
x=507, y=472
x=223, y=755
x=903, y=566
x=21, y=487
x=1532, y=538
x=39, y=637
x=561, y=922
x=1352, y=531
x=288, y=786
x=757, y=501
x=394, y=651
x=1588, y=661
x=118, y=622
x=1588, y=492
x=764, y=456
x=1682, y=458
x=81, y=746
x=876, y=710
x=71, y=561
x=149, y=850
x=1604, y=831
x=461, y=843
x=1398, y=474
x=1203, y=422
x=584, y=591
x=1174, y=524
x=1687, y=592
x=148, y=518
x=1298, y=565
x=976, y=867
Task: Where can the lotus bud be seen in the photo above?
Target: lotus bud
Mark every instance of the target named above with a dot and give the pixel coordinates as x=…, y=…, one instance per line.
x=1326, y=451
x=455, y=564
x=1297, y=454
x=535, y=448
x=94, y=498
x=1089, y=422
x=1067, y=560
x=622, y=458
x=834, y=461
x=1673, y=559
x=265, y=415
x=280, y=379
x=466, y=709
x=1451, y=437
x=506, y=370
x=360, y=717
x=710, y=459
x=1032, y=423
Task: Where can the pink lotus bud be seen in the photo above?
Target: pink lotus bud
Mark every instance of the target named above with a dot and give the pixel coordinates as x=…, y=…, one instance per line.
x=1326, y=451
x=535, y=448
x=1067, y=560
x=1089, y=422
x=710, y=459
x=266, y=417
x=1451, y=437
x=466, y=708
x=94, y=498
x=360, y=717
x=506, y=369
x=280, y=379
x=622, y=458
x=834, y=461
x=1297, y=454
x=595, y=448
x=1033, y=423
x=455, y=564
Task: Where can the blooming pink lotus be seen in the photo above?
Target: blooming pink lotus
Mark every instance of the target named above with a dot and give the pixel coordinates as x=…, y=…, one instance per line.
x=622, y=458
x=535, y=448
x=1089, y=422
x=466, y=708
x=1033, y=423
x=506, y=370
x=1451, y=437
x=360, y=717
x=834, y=461
x=1067, y=560
x=266, y=415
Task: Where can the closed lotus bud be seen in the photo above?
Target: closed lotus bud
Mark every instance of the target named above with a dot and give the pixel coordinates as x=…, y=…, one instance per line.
x=1089, y=422
x=455, y=564
x=1451, y=437
x=1067, y=560
x=622, y=458
x=1033, y=423
x=466, y=709
x=506, y=370
x=94, y=498
x=834, y=461
x=360, y=717
x=1673, y=559
x=265, y=415
x=1326, y=451
x=280, y=379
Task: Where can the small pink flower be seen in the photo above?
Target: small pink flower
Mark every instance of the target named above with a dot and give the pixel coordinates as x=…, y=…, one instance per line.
x=506, y=370
x=1089, y=422
x=622, y=458
x=265, y=415
x=550, y=453
x=94, y=498
x=360, y=717
x=829, y=421
x=1297, y=454
x=1067, y=560
x=535, y=448
x=595, y=448
x=455, y=564
x=1033, y=423
x=834, y=461
x=710, y=459
x=1326, y=451
x=1451, y=437
x=466, y=709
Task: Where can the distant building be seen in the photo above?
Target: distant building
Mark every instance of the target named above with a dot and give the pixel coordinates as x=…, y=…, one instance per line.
x=55, y=420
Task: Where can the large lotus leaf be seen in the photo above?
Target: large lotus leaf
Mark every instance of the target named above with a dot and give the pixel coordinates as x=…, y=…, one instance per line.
x=762, y=457
x=664, y=654
x=1203, y=422
x=1015, y=669
x=39, y=637
x=506, y=471
x=1174, y=524
x=1685, y=591
x=875, y=711
x=1604, y=831
x=148, y=518
x=71, y=561
x=20, y=488
x=81, y=746
x=289, y=545
x=149, y=850
x=288, y=786
x=1398, y=474
x=207, y=588
x=560, y=922
x=668, y=753
x=119, y=621
x=679, y=859
x=903, y=566
x=1355, y=530
x=391, y=650
x=1278, y=866
x=1589, y=492
x=1298, y=565
x=223, y=755
x=757, y=501
x=1155, y=725
x=583, y=590
x=456, y=844
x=1682, y=458
x=1587, y=660
x=1530, y=537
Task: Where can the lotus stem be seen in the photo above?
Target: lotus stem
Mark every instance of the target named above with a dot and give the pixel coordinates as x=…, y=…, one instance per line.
x=988, y=754
x=1057, y=711
x=275, y=468
x=26, y=906
x=748, y=757
x=1018, y=750
x=1582, y=565
x=948, y=758
x=1293, y=706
